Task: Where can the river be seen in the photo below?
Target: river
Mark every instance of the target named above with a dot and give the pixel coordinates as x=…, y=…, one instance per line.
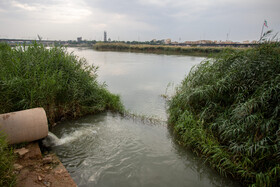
x=112, y=150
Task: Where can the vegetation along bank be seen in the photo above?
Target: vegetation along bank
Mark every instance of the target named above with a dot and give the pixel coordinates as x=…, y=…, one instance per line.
x=7, y=178
x=163, y=49
x=64, y=85
x=227, y=111
x=60, y=82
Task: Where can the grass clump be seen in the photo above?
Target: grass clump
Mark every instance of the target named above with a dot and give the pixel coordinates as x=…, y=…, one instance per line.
x=60, y=82
x=7, y=178
x=228, y=110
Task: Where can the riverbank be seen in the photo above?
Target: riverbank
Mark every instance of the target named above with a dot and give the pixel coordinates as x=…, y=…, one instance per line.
x=163, y=49
x=34, y=169
x=7, y=177
x=109, y=149
x=60, y=82
x=226, y=110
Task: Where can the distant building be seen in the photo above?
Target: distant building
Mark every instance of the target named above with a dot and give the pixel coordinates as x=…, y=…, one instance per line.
x=174, y=43
x=219, y=42
x=154, y=40
x=167, y=41
x=229, y=42
x=191, y=42
x=79, y=39
x=105, y=36
x=206, y=42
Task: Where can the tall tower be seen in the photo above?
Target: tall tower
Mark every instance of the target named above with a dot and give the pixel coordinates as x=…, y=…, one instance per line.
x=105, y=36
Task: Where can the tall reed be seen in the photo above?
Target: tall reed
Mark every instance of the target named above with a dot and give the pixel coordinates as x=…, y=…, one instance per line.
x=60, y=82
x=227, y=110
x=7, y=177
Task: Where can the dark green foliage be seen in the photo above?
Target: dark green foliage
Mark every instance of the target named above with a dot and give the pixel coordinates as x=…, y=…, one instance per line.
x=7, y=178
x=61, y=83
x=227, y=109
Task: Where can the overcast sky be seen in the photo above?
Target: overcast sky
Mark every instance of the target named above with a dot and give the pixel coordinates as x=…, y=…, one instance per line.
x=143, y=20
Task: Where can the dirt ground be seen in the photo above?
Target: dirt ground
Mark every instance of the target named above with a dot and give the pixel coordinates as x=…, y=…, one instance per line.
x=34, y=169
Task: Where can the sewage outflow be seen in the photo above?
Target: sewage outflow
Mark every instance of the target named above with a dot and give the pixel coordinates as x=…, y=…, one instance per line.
x=113, y=150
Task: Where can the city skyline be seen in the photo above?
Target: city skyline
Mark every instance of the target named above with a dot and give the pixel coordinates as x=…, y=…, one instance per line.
x=138, y=20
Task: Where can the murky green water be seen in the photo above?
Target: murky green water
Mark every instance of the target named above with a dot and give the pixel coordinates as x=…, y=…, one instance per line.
x=111, y=150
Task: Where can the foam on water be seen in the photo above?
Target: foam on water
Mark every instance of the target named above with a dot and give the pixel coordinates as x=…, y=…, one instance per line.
x=52, y=140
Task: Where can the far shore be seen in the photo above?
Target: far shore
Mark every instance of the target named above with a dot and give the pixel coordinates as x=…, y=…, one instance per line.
x=164, y=49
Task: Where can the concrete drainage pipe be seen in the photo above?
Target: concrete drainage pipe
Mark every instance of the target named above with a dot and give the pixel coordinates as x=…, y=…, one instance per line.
x=25, y=125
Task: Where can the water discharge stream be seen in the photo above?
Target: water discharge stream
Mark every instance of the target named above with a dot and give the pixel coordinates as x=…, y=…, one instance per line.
x=111, y=150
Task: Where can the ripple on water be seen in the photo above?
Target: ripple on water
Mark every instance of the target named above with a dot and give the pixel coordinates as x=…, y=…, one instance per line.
x=107, y=149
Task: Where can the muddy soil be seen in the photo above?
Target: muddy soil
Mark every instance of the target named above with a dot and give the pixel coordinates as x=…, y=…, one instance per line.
x=34, y=169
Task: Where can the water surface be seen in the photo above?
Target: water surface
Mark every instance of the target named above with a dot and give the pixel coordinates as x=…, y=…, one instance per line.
x=140, y=79
x=111, y=150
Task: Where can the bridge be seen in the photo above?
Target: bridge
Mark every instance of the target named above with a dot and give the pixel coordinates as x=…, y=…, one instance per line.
x=45, y=42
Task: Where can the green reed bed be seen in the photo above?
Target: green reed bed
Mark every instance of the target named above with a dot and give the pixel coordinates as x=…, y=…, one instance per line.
x=228, y=111
x=165, y=49
x=60, y=82
x=7, y=178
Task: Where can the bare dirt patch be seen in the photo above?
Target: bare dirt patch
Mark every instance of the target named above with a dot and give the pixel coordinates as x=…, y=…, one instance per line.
x=34, y=170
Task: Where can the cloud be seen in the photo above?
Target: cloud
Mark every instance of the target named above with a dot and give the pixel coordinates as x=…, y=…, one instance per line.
x=23, y=6
x=59, y=12
x=145, y=19
x=159, y=3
